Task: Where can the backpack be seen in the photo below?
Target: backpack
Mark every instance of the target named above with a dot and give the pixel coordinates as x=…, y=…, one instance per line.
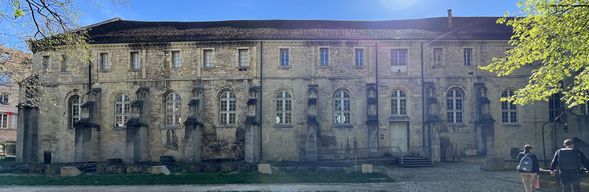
x=569, y=159
x=526, y=164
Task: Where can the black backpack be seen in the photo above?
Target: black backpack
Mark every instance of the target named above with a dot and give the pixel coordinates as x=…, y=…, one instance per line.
x=569, y=159
x=526, y=164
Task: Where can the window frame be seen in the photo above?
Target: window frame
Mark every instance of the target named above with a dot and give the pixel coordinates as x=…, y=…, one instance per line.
x=508, y=109
x=454, y=114
x=75, y=106
x=175, y=59
x=553, y=111
x=243, y=60
x=438, y=56
x=284, y=102
x=362, y=57
x=4, y=121
x=4, y=99
x=284, y=57
x=208, y=59
x=231, y=115
x=125, y=112
x=468, y=58
x=324, y=58
x=46, y=62
x=175, y=101
x=65, y=62
x=135, y=59
x=342, y=112
x=399, y=102
x=104, y=62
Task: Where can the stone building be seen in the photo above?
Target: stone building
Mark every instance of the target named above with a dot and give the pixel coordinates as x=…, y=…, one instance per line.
x=259, y=90
x=8, y=91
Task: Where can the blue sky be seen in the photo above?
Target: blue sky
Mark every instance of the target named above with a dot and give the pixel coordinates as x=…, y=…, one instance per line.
x=216, y=10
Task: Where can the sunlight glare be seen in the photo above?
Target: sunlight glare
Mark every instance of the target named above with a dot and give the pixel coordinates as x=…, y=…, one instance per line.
x=397, y=5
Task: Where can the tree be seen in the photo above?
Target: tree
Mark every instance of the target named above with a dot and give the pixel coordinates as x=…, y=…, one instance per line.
x=43, y=25
x=553, y=34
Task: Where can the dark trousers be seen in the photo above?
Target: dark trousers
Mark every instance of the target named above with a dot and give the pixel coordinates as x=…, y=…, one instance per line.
x=571, y=177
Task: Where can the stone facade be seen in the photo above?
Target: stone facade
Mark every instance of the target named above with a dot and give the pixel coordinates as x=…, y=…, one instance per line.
x=8, y=102
x=294, y=97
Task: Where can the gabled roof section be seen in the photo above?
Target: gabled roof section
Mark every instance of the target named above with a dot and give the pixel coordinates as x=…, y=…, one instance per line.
x=464, y=28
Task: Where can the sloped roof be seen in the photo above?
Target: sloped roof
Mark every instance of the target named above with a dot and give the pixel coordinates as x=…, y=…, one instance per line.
x=464, y=28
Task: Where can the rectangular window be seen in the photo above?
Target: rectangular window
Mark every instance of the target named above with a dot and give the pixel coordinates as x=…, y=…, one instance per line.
x=135, y=60
x=284, y=57
x=104, y=61
x=359, y=57
x=399, y=57
x=467, y=56
x=4, y=99
x=4, y=121
x=176, y=59
x=438, y=56
x=65, y=62
x=243, y=58
x=208, y=58
x=324, y=56
x=554, y=107
x=46, y=62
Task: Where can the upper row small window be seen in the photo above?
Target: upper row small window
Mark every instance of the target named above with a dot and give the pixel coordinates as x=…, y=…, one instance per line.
x=135, y=60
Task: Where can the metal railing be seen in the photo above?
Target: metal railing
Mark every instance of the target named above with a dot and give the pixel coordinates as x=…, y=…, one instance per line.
x=347, y=154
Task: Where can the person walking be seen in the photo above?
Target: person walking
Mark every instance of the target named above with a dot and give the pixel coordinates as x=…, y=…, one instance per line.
x=569, y=160
x=527, y=174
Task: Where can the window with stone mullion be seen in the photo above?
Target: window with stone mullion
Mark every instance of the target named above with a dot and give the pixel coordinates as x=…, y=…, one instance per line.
x=283, y=108
x=399, y=103
x=324, y=56
x=508, y=109
x=284, y=60
x=342, y=108
x=454, y=106
x=173, y=109
x=76, y=110
x=227, y=109
x=122, y=110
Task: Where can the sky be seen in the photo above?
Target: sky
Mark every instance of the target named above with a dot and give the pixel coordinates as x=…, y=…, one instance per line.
x=362, y=10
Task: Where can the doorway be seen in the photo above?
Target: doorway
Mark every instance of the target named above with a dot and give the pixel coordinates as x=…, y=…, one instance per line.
x=399, y=136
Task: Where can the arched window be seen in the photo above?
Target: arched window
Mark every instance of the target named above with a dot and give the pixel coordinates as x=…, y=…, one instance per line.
x=454, y=103
x=398, y=103
x=76, y=103
x=227, y=108
x=342, y=107
x=508, y=109
x=173, y=106
x=283, y=108
x=122, y=110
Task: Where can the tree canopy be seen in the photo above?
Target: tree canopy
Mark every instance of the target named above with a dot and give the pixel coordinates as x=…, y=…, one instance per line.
x=553, y=34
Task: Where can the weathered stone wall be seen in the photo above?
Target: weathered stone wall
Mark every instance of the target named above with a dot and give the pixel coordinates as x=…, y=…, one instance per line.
x=285, y=142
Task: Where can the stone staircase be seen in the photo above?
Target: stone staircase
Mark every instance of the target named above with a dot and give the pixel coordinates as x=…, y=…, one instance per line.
x=416, y=162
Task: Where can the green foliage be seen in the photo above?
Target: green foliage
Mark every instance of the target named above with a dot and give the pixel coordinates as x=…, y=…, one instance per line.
x=195, y=178
x=554, y=35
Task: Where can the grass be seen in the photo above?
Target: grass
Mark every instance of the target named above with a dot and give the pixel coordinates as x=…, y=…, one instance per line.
x=8, y=160
x=196, y=178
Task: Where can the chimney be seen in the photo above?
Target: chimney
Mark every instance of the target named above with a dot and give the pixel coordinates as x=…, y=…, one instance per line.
x=449, y=18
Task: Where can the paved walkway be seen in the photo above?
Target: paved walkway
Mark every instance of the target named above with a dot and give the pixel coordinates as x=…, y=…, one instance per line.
x=442, y=177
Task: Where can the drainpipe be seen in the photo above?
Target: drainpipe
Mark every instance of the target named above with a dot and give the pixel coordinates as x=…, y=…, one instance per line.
x=425, y=147
x=89, y=73
x=261, y=91
x=376, y=80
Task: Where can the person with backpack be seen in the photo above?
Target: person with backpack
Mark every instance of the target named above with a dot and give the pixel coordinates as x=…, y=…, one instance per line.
x=528, y=167
x=570, y=161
